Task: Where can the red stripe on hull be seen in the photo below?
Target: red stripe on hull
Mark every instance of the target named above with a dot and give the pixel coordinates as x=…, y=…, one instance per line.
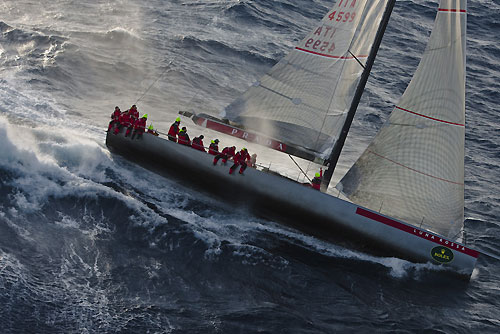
x=419, y=233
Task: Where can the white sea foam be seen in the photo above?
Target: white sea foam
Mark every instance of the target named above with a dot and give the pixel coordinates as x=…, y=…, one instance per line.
x=45, y=165
x=398, y=268
x=121, y=32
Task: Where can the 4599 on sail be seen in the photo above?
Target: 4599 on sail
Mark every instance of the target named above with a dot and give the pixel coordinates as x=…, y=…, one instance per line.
x=342, y=16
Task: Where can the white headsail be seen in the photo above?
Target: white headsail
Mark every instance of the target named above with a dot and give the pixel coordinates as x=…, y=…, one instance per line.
x=414, y=168
x=303, y=100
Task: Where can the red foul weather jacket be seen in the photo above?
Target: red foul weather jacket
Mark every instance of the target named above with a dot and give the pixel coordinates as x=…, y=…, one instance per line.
x=198, y=144
x=241, y=158
x=316, y=182
x=184, y=138
x=116, y=115
x=213, y=149
x=174, y=130
x=140, y=125
x=229, y=151
x=134, y=113
x=125, y=119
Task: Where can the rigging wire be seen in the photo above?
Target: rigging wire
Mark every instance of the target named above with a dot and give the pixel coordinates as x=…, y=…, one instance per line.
x=299, y=168
x=326, y=114
x=154, y=82
x=330, y=104
x=190, y=102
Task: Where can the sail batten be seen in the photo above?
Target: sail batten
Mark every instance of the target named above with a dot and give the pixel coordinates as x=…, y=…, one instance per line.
x=331, y=56
x=428, y=117
x=414, y=168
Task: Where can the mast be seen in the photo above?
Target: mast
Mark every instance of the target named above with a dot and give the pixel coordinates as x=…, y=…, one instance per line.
x=339, y=144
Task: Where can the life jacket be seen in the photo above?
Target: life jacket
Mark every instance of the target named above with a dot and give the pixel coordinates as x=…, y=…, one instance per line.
x=184, y=138
x=174, y=130
x=213, y=149
x=198, y=144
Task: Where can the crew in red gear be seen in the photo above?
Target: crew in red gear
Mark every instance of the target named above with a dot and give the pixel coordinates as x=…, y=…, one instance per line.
x=226, y=154
x=198, y=143
x=140, y=126
x=184, y=137
x=174, y=130
x=240, y=159
x=316, y=182
x=134, y=114
x=124, y=120
x=131, y=126
x=115, y=118
x=213, y=149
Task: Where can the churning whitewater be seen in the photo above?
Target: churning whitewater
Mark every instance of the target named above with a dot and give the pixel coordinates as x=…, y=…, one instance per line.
x=93, y=243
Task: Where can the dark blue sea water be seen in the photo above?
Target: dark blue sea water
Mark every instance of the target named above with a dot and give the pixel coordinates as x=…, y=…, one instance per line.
x=91, y=243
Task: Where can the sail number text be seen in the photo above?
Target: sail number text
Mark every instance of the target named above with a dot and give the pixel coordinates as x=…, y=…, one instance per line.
x=342, y=16
x=322, y=39
x=319, y=45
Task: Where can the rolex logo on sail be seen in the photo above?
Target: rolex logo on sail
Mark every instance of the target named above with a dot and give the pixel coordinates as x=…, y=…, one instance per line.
x=442, y=254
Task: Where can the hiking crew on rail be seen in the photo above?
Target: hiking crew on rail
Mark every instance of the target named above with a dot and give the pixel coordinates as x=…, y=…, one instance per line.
x=137, y=126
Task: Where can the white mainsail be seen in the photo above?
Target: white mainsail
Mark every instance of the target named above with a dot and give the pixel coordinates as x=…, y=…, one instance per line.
x=303, y=100
x=414, y=168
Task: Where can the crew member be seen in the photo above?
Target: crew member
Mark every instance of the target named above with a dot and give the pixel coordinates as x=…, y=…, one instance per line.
x=124, y=120
x=115, y=118
x=140, y=126
x=316, y=181
x=240, y=159
x=226, y=154
x=174, y=130
x=198, y=143
x=184, y=137
x=213, y=149
x=253, y=161
x=134, y=113
x=152, y=130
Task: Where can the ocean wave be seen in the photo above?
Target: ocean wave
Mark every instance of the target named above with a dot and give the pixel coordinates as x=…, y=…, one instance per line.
x=25, y=49
x=285, y=16
x=94, y=243
x=220, y=49
x=115, y=37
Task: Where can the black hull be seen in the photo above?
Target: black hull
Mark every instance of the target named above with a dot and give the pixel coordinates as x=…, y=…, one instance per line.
x=286, y=201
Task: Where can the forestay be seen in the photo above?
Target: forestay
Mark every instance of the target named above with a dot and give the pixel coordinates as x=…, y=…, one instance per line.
x=304, y=98
x=414, y=168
